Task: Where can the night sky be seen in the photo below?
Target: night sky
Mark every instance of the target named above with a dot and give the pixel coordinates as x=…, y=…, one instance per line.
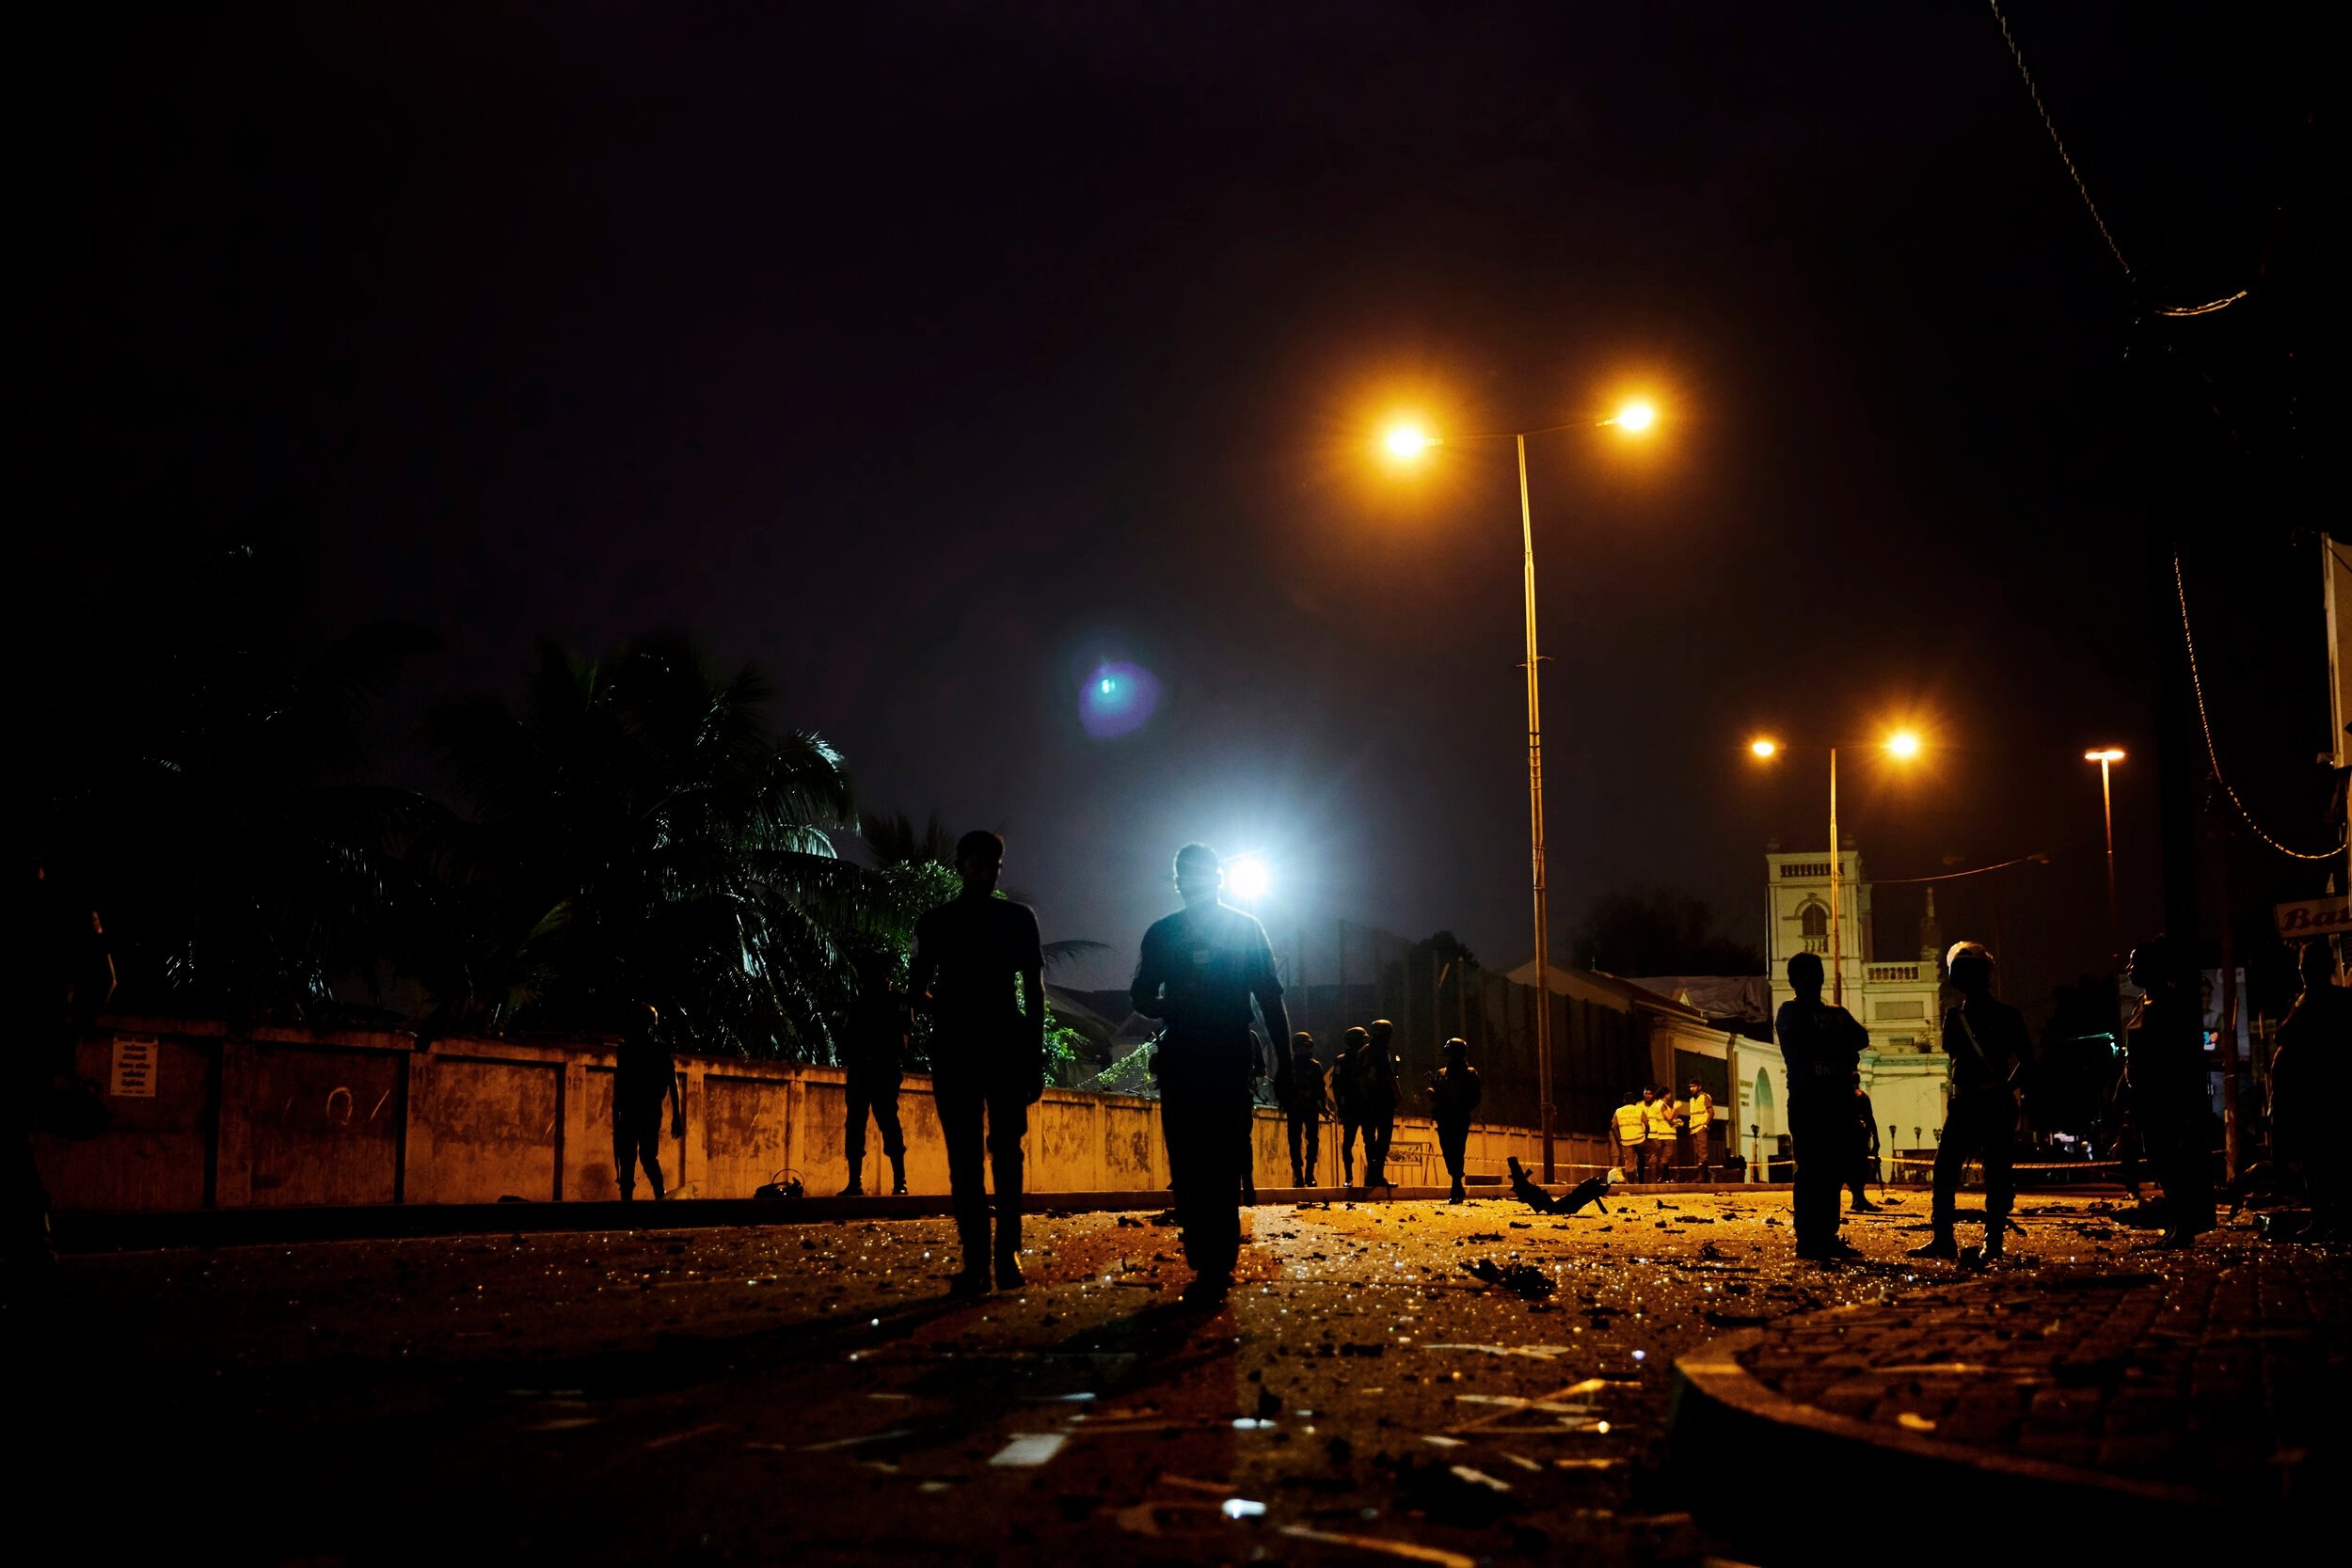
x=930, y=358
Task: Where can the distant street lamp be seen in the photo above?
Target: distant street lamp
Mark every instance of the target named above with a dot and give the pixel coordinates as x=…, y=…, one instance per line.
x=1409, y=443
x=1904, y=746
x=2106, y=758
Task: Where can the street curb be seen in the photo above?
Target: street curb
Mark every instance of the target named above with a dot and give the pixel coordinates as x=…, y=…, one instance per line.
x=131, y=1232
x=1755, y=1460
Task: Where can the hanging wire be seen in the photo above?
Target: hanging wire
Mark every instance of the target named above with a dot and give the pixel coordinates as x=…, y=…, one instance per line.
x=2041, y=855
x=2055, y=140
x=2082, y=189
x=2204, y=720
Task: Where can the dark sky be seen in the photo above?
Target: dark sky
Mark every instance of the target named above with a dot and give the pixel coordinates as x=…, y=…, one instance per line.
x=929, y=356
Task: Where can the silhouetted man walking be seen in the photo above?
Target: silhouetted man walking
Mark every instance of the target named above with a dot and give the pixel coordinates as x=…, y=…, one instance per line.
x=1865, y=1161
x=988, y=1050
x=646, y=1076
x=1200, y=970
x=1820, y=1045
x=873, y=1051
x=1454, y=1095
x=1987, y=1042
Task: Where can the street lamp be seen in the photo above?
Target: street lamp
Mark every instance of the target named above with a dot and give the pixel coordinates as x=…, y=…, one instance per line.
x=2106, y=758
x=1408, y=443
x=1904, y=746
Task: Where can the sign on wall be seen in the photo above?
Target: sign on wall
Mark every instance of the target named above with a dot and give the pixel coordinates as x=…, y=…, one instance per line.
x=133, y=1075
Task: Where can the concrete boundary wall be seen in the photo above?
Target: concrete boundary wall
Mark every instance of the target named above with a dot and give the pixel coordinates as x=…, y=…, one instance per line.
x=271, y=1117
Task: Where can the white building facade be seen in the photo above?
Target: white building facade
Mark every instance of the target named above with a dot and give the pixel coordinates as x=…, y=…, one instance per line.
x=1895, y=997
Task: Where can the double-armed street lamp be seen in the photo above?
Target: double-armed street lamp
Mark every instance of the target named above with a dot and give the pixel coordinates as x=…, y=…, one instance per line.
x=1904, y=746
x=1410, y=443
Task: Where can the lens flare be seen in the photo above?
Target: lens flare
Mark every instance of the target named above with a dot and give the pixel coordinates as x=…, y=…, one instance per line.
x=1636, y=418
x=1247, y=879
x=1118, y=699
x=1764, y=748
x=1903, y=744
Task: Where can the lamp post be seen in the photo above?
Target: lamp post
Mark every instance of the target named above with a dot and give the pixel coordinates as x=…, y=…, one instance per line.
x=2106, y=758
x=1903, y=745
x=1409, y=443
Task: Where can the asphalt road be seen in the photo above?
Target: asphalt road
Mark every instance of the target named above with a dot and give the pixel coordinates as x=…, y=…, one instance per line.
x=806, y=1392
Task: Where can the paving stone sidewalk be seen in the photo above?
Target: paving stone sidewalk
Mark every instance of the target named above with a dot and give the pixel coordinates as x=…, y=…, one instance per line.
x=2222, y=1370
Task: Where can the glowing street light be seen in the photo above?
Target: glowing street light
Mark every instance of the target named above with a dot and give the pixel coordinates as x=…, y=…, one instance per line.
x=1904, y=746
x=1635, y=418
x=1408, y=442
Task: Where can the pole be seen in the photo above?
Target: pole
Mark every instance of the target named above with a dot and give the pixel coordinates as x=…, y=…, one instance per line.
x=1535, y=823
x=2230, y=1166
x=2106, y=812
x=1837, y=872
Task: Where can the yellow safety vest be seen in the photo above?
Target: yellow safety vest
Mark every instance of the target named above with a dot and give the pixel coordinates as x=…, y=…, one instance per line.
x=1631, y=1124
x=1702, y=1110
x=1661, y=1118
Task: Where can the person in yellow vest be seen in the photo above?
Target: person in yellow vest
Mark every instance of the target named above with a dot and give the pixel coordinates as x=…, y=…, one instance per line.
x=1628, y=1128
x=1657, y=1108
x=1698, y=1109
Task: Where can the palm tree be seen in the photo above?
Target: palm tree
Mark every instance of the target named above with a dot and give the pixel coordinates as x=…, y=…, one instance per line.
x=638, y=834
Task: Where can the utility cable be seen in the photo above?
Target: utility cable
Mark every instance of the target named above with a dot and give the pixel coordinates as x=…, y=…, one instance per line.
x=2082, y=187
x=2041, y=855
x=2204, y=722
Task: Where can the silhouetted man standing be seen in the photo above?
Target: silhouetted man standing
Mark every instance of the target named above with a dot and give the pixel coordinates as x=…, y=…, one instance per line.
x=1820, y=1045
x=1865, y=1162
x=2164, y=1051
x=646, y=1076
x=1987, y=1042
x=873, y=1051
x=1376, y=1093
x=1454, y=1095
x=1298, y=1084
x=1199, y=969
x=1348, y=1100
x=988, y=1049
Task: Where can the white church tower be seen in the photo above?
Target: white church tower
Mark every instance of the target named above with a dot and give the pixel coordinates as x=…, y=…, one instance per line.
x=1905, y=1071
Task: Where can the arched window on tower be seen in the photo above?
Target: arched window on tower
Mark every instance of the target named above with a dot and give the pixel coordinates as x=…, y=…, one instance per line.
x=1813, y=921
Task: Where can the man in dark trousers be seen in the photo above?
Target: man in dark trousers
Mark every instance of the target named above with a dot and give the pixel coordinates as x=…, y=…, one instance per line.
x=1990, y=1050
x=1375, y=1077
x=1454, y=1095
x=59, y=974
x=2164, y=1051
x=1348, y=1100
x=645, y=1075
x=1865, y=1162
x=988, y=1050
x=873, y=1051
x=1200, y=970
x=1820, y=1045
x=1298, y=1084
